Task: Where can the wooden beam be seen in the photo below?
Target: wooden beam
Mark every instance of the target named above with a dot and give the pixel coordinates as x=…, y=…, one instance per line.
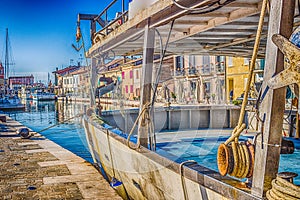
x=233, y=30
x=191, y=22
x=216, y=36
x=267, y=151
x=210, y=14
x=146, y=80
x=246, y=23
x=233, y=43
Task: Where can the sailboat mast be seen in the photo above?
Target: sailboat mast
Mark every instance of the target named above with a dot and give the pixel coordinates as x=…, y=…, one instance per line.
x=6, y=62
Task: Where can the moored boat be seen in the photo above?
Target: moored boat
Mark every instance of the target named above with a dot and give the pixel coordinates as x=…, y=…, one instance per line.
x=43, y=96
x=11, y=103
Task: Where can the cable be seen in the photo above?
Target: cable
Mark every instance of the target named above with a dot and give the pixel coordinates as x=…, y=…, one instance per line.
x=160, y=64
x=193, y=9
x=213, y=9
x=203, y=9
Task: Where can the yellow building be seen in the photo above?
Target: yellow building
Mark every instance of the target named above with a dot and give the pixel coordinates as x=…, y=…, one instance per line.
x=237, y=70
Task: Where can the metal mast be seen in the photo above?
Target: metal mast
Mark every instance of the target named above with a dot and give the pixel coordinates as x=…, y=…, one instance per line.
x=6, y=61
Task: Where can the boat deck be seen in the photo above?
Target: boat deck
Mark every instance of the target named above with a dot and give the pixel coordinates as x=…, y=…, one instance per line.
x=202, y=146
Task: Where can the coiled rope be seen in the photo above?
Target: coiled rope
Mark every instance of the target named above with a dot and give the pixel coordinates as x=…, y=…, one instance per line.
x=283, y=189
x=234, y=158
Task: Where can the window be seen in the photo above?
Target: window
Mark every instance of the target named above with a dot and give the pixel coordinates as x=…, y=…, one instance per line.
x=137, y=74
x=131, y=74
x=206, y=65
x=207, y=87
x=245, y=83
x=131, y=88
x=230, y=61
x=246, y=61
x=220, y=63
x=123, y=75
x=262, y=64
x=192, y=62
x=179, y=65
x=126, y=89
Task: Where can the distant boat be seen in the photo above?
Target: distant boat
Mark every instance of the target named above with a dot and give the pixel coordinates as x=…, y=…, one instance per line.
x=43, y=96
x=11, y=103
x=26, y=94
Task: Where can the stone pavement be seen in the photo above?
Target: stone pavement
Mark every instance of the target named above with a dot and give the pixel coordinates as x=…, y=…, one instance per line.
x=37, y=168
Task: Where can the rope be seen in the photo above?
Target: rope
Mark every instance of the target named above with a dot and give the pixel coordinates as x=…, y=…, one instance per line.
x=49, y=127
x=145, y=108
x=243, y=158
x=235, y=135
x=283, y=189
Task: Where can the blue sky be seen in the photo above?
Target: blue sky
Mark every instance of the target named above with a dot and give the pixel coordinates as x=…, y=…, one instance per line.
x=42, y=31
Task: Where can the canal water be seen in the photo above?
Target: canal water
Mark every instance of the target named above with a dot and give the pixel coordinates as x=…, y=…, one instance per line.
x=67, y=133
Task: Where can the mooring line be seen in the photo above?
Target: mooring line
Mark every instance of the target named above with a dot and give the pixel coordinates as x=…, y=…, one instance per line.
x=49, y=127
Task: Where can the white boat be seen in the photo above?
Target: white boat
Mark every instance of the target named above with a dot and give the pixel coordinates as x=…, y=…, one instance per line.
x=26, y=93
x=127, y=151
x=43, y=96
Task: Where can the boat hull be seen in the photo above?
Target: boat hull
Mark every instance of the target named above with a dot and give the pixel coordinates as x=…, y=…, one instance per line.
x=147, y=175
x=44, y=97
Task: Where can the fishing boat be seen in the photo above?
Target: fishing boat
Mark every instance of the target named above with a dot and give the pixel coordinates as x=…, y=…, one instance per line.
x=155, y=152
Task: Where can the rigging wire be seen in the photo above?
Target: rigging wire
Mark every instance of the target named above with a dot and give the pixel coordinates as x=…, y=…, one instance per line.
x=161, y=63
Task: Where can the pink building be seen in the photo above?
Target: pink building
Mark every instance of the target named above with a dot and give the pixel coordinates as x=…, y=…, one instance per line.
x=16, y=82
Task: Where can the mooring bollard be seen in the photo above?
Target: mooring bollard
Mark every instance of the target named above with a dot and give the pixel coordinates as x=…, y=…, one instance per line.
x=24, y=133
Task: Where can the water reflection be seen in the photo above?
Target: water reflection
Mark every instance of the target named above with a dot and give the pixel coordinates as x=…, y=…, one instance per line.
x=67, y=133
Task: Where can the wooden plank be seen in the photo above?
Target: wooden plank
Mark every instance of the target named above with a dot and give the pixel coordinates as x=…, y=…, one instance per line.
x=146, y=80
x=267, y=152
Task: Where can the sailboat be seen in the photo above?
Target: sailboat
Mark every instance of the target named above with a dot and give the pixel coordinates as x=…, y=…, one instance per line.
x=156, y=152
x=9, y=101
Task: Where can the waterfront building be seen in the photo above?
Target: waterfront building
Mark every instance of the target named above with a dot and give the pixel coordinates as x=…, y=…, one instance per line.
x=237, y=70
x=17, y=82
x=80, y=82
x=128, y=82
x=59, y=79
x=83, y=82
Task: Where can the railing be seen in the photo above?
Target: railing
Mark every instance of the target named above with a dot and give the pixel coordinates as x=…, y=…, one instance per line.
x=110, y=25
